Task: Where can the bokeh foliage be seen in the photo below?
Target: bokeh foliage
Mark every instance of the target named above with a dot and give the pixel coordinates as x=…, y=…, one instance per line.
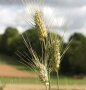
x=73, y=62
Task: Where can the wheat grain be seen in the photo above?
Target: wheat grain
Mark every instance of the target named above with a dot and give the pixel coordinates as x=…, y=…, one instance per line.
x=54, y=52
x=42, y=73
x=40, y=25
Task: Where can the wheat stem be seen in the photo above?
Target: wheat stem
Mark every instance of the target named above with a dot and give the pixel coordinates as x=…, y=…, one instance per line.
x=49, y=79
x=57, y=80
x=47, y=87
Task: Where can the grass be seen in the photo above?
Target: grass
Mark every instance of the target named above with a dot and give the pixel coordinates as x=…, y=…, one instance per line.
x=69, y=80
x=4, y=59
x=62, y=81
x=18, y=80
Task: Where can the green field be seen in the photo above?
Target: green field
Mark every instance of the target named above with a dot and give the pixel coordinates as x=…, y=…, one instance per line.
x=63, y=80
x=11, y=61
x=5, y=59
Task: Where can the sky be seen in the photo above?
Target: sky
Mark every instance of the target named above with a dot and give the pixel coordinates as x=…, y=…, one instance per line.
x=60, y=15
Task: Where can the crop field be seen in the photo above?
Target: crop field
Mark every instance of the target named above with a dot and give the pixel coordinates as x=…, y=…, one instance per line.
x=14, y=77
x=21, y=80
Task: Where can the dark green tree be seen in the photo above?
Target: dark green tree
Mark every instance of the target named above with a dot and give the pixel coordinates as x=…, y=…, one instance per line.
x=74, y=60
x=8, y=40
x=31, y=36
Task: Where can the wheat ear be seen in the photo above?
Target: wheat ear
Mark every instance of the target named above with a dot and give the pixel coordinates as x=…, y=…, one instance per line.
x=40, y=25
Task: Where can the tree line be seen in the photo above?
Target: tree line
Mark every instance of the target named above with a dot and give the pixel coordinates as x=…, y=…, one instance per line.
x=73, y=62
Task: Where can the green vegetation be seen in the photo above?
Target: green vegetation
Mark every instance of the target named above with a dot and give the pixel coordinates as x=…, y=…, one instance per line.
x=63, y=80
x=73, y=62
x=4, y=59
x=12, y=61
x=18, y=80
x=70, y=81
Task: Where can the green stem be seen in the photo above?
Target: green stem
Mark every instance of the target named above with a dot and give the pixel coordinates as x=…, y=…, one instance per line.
x=49, y=85
x=49, y=79
x=57, y=80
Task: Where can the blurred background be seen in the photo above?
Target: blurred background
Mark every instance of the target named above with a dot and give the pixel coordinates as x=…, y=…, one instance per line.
x=68, y=15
